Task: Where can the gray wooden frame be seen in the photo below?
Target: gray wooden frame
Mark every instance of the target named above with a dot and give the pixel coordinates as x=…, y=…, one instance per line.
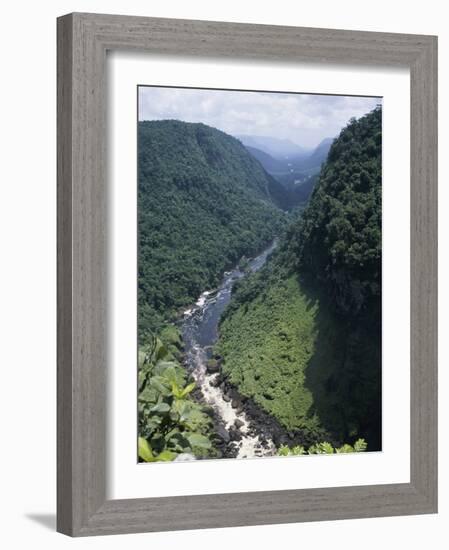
x=83, y=40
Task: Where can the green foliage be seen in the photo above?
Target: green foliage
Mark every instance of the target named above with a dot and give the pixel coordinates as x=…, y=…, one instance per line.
x=336, y=249
x=204, y=202
x=298, y=191
x=170, y=335
x=180, y=393
x=267, y=338
x=302, y=337
x=170, y=423
x=360, y=445
x=323, y=447
x=338, y=239
x=145, y=451
x=345, y=449
x=198, y=441
x=285, y=450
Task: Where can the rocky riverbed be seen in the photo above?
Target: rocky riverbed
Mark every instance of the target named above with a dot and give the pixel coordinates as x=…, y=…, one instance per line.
x=237, y=434
x=242, y=429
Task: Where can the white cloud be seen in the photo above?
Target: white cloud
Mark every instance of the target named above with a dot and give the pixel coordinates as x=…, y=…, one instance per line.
x=305, y=119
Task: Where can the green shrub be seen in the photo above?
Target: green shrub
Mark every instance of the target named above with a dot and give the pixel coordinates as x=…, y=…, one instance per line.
x=170, y=423
x=323, y=448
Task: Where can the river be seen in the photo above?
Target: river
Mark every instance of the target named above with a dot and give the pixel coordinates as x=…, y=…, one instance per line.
x=200, y=333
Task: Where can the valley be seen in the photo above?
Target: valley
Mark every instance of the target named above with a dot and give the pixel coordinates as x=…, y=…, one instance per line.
x=249, y=348
x=294, y=167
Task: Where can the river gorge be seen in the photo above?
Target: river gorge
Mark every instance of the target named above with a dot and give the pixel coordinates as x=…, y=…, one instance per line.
x=243, y=430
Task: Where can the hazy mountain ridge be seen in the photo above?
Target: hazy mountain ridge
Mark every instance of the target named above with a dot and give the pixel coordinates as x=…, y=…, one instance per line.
x=279, y=156
x=296, y=173
x=271, y=164
x=318, y=157
x=275, y=147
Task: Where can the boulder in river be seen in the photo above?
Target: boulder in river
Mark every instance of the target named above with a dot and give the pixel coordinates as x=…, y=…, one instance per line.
x=212, y=366
x=235, y=435
x=231, y=451
x=223, y=434
x=239, y=424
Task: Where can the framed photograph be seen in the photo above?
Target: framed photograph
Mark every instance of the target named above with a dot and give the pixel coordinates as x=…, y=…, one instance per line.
x=247, y=274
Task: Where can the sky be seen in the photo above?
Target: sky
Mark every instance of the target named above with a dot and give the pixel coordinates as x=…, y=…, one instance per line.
x=305, y=119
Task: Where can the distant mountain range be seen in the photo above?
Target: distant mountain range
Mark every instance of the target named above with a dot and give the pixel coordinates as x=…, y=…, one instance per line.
x=282, y=149
x=282, y=156
x=295, y=167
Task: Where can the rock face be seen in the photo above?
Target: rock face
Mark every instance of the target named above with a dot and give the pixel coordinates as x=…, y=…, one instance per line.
x=223, y=434
x=235, y=435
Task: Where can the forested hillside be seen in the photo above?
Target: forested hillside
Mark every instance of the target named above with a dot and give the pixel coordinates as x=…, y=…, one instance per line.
x=302, y=337
x=204, y=202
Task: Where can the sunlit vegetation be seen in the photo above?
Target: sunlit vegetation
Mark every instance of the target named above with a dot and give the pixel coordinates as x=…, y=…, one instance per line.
x=303, y=336
x=267, y=340
x=323, y=448
x=170, y=422
x=204, y=202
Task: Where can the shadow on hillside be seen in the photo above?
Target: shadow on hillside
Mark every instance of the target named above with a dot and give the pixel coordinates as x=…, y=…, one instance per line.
x=344, y=375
